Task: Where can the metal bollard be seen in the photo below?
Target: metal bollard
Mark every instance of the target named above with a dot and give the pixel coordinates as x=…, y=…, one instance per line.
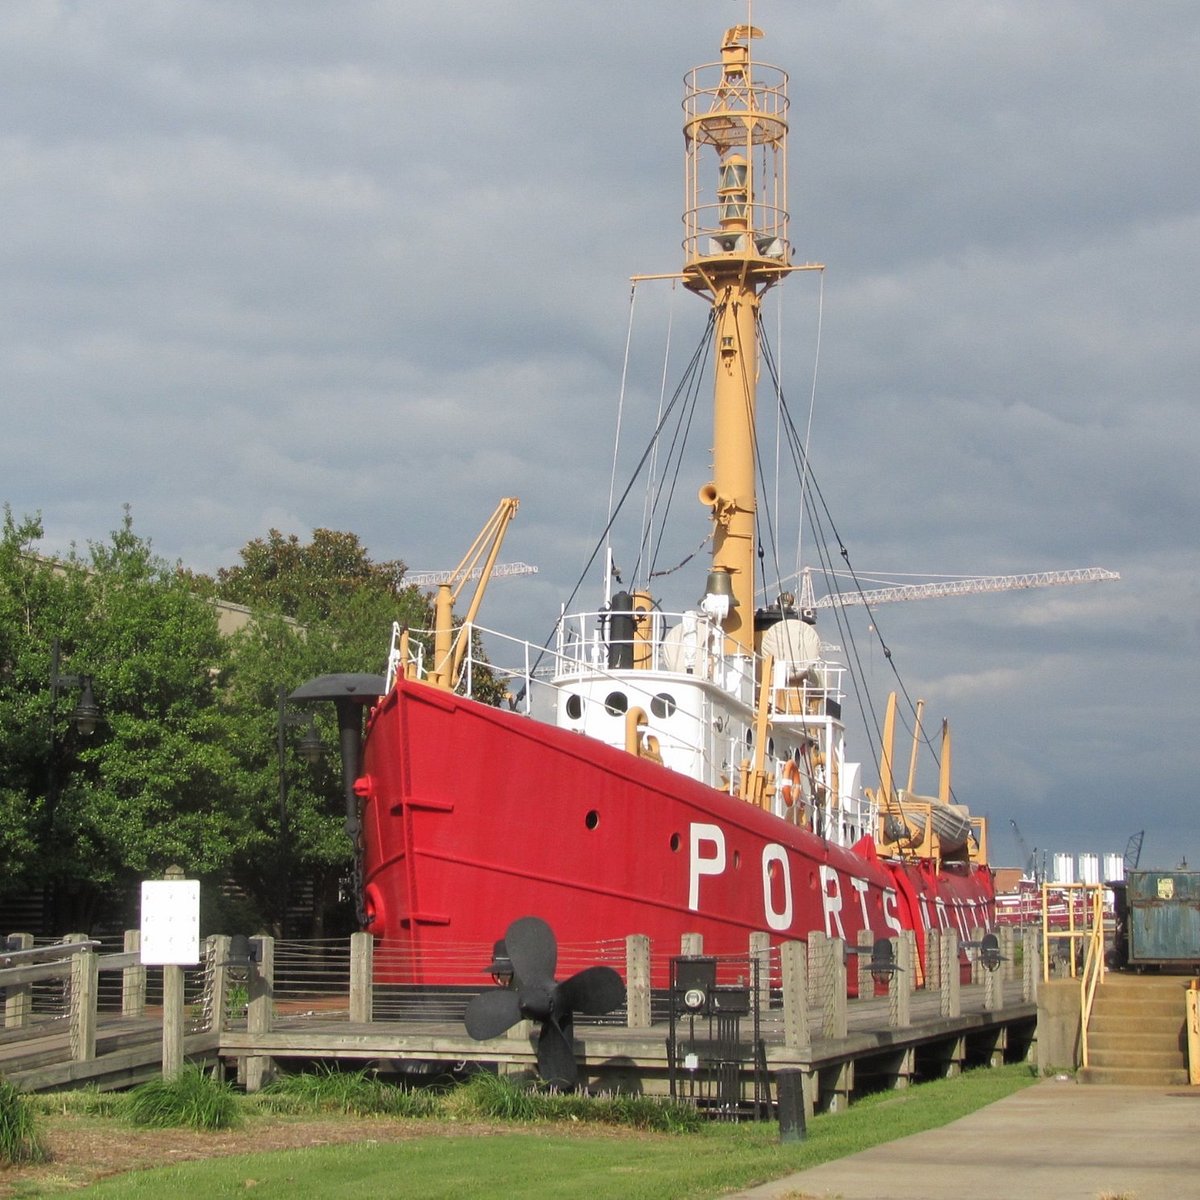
x=789, y=1088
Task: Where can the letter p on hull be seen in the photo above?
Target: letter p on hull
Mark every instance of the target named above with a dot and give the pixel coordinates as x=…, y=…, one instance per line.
x=711, y=837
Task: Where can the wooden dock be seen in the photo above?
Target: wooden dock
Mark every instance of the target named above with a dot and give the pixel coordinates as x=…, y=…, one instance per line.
x=807, y=1025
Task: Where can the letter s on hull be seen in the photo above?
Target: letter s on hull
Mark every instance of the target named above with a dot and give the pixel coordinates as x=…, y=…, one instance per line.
x=714, y=864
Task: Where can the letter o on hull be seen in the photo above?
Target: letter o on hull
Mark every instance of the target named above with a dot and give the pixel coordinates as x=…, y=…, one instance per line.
x=778, y=919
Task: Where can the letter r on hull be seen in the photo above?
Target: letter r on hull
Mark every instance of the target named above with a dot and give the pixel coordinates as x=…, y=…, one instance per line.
x=711, y=836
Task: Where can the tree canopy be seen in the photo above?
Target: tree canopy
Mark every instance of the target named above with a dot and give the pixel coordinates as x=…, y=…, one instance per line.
x=184, y=767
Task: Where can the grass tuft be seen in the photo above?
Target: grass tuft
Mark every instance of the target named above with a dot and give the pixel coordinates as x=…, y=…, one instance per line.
x=193, y=1099
x=502, y=1098
x=87, y=1101
x=353, y=1093
x=20, y=1141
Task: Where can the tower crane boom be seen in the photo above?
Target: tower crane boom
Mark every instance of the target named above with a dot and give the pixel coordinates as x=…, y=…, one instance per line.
x=969, y=586
x=433, y=578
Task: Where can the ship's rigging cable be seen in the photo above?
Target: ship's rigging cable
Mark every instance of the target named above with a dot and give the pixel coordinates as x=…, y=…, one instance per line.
x=646, y=542
x=816, y=507
x=698, y=356
x=612, y=478
x=690, y=387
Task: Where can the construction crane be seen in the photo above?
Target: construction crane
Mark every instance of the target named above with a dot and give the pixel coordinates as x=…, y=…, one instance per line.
x=1029, y=867
x=969, y=586
x=1133, y=851
x=433, y=578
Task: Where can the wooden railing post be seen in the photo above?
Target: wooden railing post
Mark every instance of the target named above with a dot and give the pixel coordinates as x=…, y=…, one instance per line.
x=760, y=970
x=901, y=984
x=1008, y=944
x=172, y=1036
x=637, y=981
x=865, y=943
x=1031, y=966
x=978, y=970
x=827, y=977
x=18, y=997
x=362, y=978
x=133, y=979
x=260, y=1012
x=85, y=978
x=933, y=960
x=951, y=997
x=793, y=958
x=216, y=981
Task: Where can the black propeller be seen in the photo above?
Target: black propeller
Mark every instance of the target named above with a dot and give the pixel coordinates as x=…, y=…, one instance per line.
x=535, y=995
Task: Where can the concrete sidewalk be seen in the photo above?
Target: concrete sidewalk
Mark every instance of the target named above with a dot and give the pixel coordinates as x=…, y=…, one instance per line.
x=1057, y=1139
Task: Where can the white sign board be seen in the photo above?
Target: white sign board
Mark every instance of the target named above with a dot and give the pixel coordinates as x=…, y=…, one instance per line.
x=170, y=922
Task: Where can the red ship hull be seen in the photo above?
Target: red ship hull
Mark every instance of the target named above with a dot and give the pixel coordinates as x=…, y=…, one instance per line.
x=474, y=816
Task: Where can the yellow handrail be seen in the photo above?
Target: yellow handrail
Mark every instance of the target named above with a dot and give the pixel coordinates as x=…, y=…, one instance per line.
x=1093, y=970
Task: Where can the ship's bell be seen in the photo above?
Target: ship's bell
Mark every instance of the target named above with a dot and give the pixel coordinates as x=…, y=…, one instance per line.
x=718, y=596
x=720, y=584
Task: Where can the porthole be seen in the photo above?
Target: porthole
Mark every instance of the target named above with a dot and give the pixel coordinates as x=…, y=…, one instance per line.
x=675, y=843
x=592, y=819
x=663, y=705
x=574, y=707
x=771, y=747
x=616, y=703
x=749, y=737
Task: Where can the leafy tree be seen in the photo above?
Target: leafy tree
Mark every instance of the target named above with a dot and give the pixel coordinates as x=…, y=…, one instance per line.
x=151, y=787
x=319, y=608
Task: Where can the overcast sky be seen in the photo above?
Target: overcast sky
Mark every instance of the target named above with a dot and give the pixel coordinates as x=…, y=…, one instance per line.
x=364, y=265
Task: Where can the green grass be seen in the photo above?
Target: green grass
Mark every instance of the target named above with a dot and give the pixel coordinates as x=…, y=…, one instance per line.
x=193, y=1099
x=544, y=1161
x=20, y=1141
x=497, y=1098
x=352, y=1093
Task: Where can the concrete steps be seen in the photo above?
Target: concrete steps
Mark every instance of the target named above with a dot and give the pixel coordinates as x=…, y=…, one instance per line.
x=1136, y=1035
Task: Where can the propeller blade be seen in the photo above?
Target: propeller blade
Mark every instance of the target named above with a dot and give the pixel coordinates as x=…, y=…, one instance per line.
x=533, y=950
x=491, y=1013
x=556, y=1057
x=596, y=991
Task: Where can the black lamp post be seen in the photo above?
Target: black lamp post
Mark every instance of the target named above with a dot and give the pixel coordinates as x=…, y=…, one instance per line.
x=311, y=750
x=85, y=718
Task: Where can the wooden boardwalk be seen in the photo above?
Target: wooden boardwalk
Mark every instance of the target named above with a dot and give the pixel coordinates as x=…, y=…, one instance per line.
x=836, y=1045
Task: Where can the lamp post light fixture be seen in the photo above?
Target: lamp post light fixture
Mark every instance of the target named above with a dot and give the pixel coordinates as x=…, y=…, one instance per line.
x=86, y=715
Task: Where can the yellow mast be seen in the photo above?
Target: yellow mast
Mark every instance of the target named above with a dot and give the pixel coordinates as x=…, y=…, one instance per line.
x=735, y=247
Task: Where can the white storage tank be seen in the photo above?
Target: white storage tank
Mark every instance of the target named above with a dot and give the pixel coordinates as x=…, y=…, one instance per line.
x=1064, y=869
x=1089, y=869
x=1114, y=868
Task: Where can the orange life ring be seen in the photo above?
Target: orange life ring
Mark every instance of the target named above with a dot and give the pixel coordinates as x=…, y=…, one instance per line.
x=790, y=789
